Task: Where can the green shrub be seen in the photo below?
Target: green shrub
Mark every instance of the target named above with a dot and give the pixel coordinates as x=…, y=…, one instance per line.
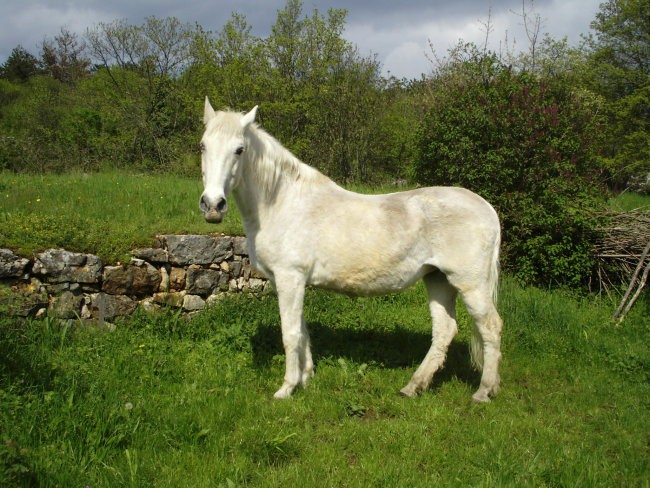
x=529, y=146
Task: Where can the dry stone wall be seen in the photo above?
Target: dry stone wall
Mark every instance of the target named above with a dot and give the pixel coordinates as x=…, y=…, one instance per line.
x=181, y=271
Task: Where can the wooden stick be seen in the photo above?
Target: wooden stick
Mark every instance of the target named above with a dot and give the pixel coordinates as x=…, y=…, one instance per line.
x=632, y=284
x=637, y=293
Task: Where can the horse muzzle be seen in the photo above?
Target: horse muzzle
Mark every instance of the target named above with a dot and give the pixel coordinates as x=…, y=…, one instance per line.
x=213, y=211
x=213, y=216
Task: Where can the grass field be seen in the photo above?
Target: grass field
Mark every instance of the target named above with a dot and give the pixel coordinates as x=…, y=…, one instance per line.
x=108, y=214
x=167, y=401
x=630, y=201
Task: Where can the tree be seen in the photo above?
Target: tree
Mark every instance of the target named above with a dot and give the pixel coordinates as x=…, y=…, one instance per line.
x=284, y=43
x=64, y=57
x=144, y=65
x=137, y=105
x=323, y=90
x=19, y=66
x=620, y=71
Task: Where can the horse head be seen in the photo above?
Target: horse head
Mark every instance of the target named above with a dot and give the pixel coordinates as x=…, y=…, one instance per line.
x=223, y=147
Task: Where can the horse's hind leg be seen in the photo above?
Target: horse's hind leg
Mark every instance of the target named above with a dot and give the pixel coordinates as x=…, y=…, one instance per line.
x=299, y=366
x=442, y=304
x=486, y=342
x=306, y=361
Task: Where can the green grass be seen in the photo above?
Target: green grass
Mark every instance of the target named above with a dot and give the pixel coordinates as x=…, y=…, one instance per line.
x=165, y=401
x=108, y=214
x=627, y=201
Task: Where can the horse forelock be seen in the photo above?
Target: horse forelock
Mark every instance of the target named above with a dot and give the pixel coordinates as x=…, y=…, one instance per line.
x=226, y=123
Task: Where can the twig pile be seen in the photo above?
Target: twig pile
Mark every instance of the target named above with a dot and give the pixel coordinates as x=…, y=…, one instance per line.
x=624, y=256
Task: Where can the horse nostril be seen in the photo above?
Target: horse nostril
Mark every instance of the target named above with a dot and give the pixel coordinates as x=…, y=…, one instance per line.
x=203, y=205
x=221, y=204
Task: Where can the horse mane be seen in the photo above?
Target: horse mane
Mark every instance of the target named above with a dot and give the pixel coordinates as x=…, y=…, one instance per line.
x=273, y=164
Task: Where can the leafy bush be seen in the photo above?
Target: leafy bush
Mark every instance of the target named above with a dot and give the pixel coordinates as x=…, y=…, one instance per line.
x=527, y=145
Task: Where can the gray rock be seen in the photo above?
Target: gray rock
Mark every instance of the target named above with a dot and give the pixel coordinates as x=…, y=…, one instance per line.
x=67, y=305
x=223, y=282
x=57, y=288
x=240, y=246
x=59, y=266
x=105, y=307
x=171, y=299
x=256, y=284
x=149, y=305
x=202, y=281
x=235, y=268
x=152, y=255
x=197, y=249
x=177, y=279
x=217, y=297
x=256, y=274
x=23, y=304
x=246, y=269
x=192, y=303
x=164, y=281
x=11, y=265
x=137, y=279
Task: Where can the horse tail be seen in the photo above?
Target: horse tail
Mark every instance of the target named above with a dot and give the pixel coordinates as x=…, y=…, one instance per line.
x=493, y=278
x=476, y=343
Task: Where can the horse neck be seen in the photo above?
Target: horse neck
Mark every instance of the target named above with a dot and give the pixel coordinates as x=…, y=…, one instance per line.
x=269, y=172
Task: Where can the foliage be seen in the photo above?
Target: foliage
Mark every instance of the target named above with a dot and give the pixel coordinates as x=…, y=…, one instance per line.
x=529, y=145
x=19, y=66
x=162, y=398
x=619, y=69
x=138, y=107
x=63, y=57
x=127, y=96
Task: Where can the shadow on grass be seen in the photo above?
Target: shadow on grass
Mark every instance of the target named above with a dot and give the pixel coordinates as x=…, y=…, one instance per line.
x=19, y=363
x=396, y=348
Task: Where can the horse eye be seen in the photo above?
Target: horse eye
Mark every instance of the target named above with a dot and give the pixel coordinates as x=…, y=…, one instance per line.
x=239, y=150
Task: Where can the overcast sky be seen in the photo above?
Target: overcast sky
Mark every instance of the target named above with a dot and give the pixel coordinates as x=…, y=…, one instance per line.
x=398, y=34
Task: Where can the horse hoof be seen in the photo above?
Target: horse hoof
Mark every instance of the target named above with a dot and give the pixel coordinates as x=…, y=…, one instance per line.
x=480, y=398
x=284, y=392
x=408, y=391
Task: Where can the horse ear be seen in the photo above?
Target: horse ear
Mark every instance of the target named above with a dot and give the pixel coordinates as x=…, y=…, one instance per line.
x=249, y=117
x=208, y=111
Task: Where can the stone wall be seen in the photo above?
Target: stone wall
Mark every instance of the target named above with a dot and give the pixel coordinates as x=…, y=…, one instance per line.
x=181, y=271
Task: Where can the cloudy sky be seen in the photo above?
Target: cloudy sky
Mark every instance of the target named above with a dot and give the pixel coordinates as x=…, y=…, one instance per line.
x=398, y=34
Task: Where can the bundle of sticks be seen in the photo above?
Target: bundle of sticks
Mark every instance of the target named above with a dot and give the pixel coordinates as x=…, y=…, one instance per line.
x=623, y=255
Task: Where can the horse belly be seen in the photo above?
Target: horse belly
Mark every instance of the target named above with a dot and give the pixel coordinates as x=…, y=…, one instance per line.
x=367, y=273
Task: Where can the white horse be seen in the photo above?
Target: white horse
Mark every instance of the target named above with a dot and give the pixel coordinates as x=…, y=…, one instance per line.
x=303, y=230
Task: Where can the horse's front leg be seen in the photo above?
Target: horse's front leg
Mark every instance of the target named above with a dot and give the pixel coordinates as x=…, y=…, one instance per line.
x=299, y=367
